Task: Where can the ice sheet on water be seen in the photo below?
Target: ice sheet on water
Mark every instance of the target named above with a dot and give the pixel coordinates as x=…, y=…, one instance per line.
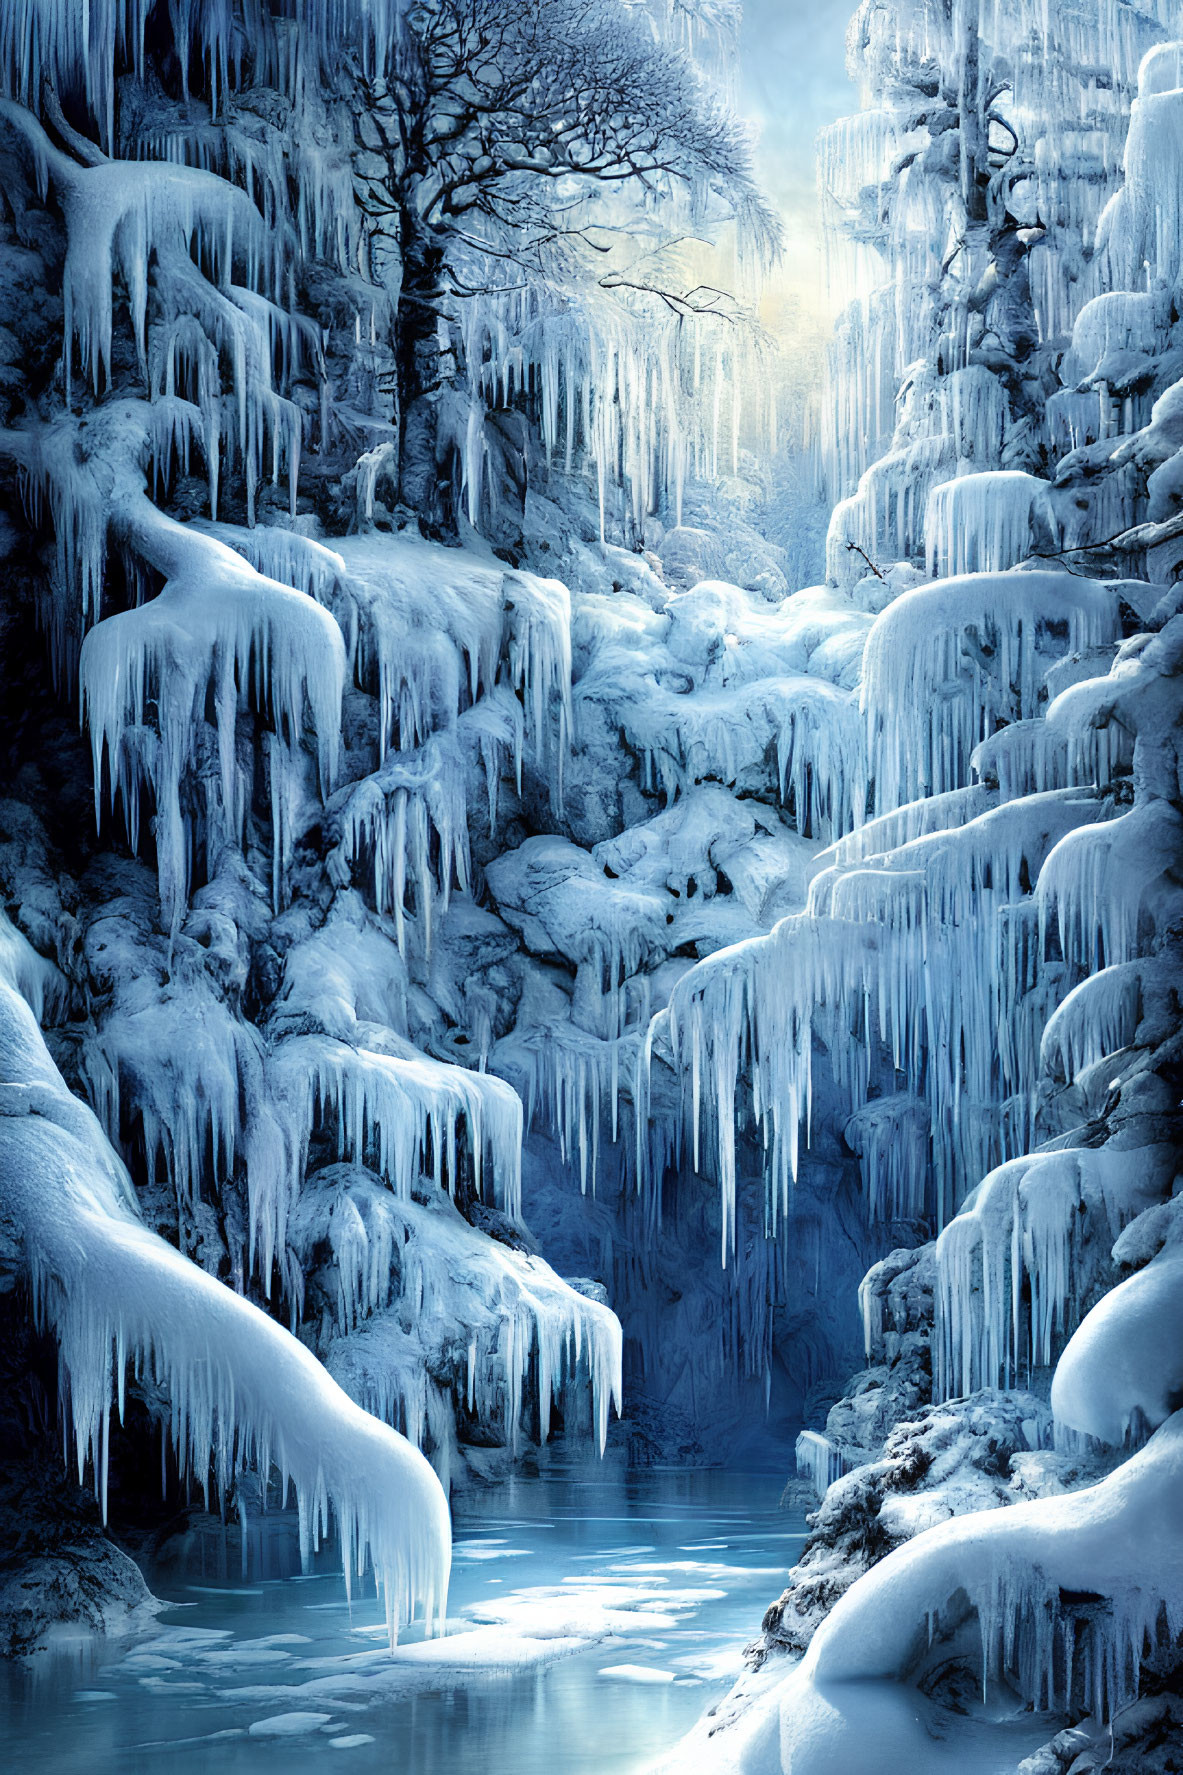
x=288, y=1725
x=245, y=1655
x=481, y=1554
x=186, y=1639
x=709, y=1571
x=637, y=1673
x=492, y=1648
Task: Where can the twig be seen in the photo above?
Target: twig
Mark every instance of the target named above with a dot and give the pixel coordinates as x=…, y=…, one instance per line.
x=866, y=557
x=1140, y=536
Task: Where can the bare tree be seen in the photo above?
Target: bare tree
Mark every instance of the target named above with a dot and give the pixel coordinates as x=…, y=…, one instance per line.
x=559, y=145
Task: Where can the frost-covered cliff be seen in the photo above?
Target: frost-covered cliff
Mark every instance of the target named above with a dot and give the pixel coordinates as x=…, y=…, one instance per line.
x=364, y=868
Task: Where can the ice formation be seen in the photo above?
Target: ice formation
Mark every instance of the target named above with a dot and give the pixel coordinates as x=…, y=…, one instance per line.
x=499, y=855
x=1017, y=1570
x=318, y=738
x=243, y=1392
x=986, y=966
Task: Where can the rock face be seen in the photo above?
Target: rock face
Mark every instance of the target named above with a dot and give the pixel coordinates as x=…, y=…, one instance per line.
x=89, y=1587
x=968, y=1454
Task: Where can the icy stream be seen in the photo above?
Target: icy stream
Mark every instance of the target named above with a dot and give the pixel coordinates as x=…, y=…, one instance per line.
x=593, y=1617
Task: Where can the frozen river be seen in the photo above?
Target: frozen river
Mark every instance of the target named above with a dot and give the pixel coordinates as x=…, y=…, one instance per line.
x=593, y=1616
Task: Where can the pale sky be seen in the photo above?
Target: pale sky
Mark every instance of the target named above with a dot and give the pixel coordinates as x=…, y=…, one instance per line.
x=792, y=81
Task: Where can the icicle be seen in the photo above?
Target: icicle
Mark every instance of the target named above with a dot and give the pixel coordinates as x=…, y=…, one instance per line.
x=818, y=1460
x=939, y=635
x=243, y=1391
x=402, y=1108
x=216, y=626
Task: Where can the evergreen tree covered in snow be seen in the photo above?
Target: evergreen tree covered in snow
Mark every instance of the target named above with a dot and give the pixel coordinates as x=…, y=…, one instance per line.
x=994, y=955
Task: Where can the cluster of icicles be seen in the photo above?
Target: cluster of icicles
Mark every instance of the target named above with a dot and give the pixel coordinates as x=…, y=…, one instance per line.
x=645, y=403
x=69, y=46
x=1004, y=946
x=464, y=661
x=939, y=936
x=404, y=831
x=921, y=942
x=243, y=1392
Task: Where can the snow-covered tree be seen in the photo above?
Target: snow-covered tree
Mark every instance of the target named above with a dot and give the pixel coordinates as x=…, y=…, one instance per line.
x=992, y=959
x=555, y=170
